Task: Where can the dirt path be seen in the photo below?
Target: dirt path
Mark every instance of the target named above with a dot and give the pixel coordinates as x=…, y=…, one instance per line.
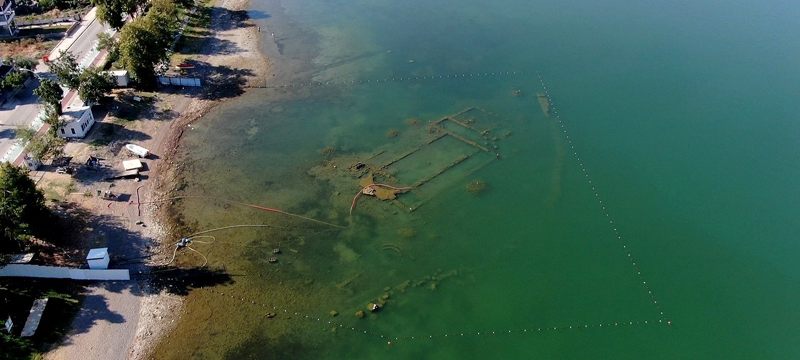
x=125, y=321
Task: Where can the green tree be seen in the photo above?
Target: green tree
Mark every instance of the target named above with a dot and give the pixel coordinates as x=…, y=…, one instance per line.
x=66, y=69
x=53, y=119
x=94, y=84
x=46, y=147
x=50, y=93
x=22, y=209
x=141, y=47
x=14, y=79
x=112, y=11
x=109, y=44
x=164, y=13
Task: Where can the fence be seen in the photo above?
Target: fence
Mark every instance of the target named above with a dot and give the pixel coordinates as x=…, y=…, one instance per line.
x=179, y=81
x=55, y=272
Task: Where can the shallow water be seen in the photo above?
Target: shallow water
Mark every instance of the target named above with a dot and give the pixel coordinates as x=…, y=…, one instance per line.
x=658, y=222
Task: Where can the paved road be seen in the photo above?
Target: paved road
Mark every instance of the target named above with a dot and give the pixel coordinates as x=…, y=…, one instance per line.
x=21, y=111
x=83, y=40
x=17, y=113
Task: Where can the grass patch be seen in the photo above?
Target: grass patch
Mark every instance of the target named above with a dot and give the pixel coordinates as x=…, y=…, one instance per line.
x=197, y=30
x=58, y=190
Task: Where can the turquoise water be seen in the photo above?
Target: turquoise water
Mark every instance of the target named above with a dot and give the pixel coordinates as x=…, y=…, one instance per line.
x=681, y=113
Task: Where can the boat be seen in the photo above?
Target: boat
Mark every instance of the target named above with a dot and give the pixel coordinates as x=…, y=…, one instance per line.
x=137, y=150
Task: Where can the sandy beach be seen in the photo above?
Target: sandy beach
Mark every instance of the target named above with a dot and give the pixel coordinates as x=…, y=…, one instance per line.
x=127, y=321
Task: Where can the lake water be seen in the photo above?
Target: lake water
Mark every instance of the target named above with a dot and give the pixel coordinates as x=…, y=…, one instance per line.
x=652, y=214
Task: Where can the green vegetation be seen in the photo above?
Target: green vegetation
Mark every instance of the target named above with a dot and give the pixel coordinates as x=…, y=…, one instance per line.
x=42, y=6
x=14, y=80
x=50, y=93
x=16, y=298
x=94, y=84
x=21, y=62
x=144, y=42
x=47, y=146
x=109, y=44
x=112, y=11
x=197, y=29
x=66, y=69
x=22, y=211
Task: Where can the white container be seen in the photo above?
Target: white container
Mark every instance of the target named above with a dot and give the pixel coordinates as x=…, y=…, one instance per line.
x=98, y=258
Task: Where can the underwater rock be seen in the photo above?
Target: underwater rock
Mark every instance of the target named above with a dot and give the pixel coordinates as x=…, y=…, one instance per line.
x=385, y=296
x=334, y=313
x=406, y=232
x=476, y=187
x=360, y=314
x=392, y=133
x=327, y=151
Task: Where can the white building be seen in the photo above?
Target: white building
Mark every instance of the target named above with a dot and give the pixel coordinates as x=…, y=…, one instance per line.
x=121, y=78
x=7, y=14
x=78, y=120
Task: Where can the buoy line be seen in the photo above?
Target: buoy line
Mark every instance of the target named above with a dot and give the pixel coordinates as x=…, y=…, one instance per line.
x=604, y=209
x=329, y=323
x=393, y=79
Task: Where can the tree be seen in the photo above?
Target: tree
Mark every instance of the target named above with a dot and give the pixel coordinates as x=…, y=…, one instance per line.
x=109, y=44
x=164, y=13
x=141, y=49
x=53, y=119
x=50, y=93
x=66, y=69
x=111, y=11
x=94, y=84
x=14, y=79
x=22, y=209
x=46, y=147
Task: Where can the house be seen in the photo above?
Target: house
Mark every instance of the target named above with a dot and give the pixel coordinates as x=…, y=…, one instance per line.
x=78, y=120
x=7, y=27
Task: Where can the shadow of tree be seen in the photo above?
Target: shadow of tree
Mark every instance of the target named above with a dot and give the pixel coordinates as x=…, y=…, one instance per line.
x=181, y=281
x=211, y=44
x=219, y=82
x=8, y=133
x=258, y=15
x=129, y=249
x=232, y=19
x=226, y=82
x=94, y=309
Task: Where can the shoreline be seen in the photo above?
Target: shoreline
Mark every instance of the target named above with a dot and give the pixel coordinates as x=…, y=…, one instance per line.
x=160, y=313
x=149, y=310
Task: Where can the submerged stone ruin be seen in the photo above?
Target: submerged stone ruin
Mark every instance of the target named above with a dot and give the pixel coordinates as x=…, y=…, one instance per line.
x=421, y=161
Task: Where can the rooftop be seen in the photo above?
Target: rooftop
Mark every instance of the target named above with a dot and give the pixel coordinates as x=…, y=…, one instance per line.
x=97, y=253
x=73, y=113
